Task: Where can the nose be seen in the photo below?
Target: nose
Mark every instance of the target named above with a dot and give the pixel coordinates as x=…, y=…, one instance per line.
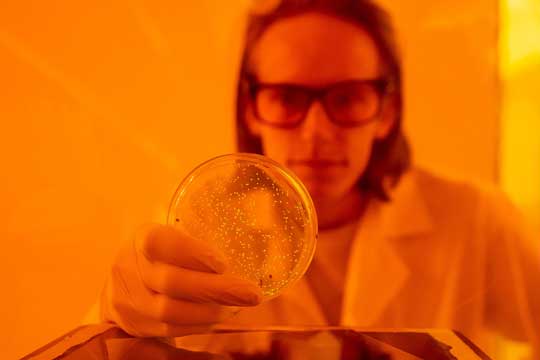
x=317, y=124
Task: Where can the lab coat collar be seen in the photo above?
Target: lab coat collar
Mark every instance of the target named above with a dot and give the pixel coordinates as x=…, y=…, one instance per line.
x=407, y=214
x=376, y=270
x=368, y=290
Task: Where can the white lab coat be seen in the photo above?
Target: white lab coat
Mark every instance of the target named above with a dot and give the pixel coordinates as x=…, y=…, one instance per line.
x=440, y=254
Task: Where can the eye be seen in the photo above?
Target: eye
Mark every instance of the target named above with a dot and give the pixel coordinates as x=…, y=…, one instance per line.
x=354, y=95
x=288, y=97
x=281, y=104
x=342, y=99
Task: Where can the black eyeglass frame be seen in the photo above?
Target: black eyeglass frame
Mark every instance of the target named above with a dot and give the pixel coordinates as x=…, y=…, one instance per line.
x=383, y=87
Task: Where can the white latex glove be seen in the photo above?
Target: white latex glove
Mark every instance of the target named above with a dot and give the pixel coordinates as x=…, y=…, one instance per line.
x=165, y=283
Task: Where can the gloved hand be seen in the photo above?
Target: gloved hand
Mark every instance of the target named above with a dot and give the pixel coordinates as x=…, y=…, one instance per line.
x=165, y=283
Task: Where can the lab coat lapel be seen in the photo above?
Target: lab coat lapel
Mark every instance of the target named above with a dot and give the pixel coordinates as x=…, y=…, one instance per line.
x=376, y=271
x=300, y=306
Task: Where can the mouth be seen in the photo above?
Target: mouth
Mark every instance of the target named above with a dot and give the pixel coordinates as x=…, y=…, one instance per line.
x=317, y=163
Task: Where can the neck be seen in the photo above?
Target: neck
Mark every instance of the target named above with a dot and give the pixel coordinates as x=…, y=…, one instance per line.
x=334, y=212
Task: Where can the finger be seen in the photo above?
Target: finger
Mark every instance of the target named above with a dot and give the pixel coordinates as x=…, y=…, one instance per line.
x=140, y=317
x=143, y=326
x=170, y=245
x=180, y=312
x=196, y=286
x=129, y=291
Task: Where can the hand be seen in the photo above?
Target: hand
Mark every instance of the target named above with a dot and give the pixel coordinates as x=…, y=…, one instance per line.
x=165, y=283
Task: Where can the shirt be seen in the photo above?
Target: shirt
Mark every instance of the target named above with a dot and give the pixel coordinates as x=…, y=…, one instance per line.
x=327, y=272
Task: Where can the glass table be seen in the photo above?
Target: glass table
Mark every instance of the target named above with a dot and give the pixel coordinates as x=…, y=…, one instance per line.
x=106, y=342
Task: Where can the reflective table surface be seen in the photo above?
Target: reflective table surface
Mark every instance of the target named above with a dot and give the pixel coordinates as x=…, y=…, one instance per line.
x=106, y=342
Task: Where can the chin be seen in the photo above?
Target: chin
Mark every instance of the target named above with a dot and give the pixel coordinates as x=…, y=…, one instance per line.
x=324, y=191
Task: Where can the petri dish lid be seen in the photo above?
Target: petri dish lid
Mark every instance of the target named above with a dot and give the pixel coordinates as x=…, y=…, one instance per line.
x=256, y=212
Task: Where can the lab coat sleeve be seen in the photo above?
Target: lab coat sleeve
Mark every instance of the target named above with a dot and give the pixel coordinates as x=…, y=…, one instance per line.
x=513, y=273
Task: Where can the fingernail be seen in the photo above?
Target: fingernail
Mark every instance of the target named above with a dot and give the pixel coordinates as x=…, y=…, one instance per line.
x=217, y=263
x=244, y=296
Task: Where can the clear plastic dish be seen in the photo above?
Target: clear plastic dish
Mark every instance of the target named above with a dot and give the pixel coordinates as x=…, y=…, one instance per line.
x=256, y=212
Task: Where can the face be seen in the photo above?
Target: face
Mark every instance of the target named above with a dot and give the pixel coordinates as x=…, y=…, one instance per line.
x=316, y=50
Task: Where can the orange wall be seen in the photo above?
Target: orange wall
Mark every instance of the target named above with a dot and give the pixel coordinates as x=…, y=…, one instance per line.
x=520, y=121
x=450, y=56
x=105, y=106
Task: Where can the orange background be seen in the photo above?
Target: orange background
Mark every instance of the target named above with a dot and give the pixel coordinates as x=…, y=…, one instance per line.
x=105, y=106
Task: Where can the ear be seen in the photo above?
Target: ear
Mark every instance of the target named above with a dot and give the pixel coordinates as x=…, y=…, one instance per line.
x=388, y=117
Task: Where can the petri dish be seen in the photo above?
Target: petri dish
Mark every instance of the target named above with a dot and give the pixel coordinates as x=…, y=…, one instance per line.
x=256, y=212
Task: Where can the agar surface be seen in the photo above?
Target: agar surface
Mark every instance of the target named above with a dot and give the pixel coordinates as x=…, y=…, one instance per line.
x=254, y=217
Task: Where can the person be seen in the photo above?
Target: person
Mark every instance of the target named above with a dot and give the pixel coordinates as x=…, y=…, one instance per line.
x=320, y=91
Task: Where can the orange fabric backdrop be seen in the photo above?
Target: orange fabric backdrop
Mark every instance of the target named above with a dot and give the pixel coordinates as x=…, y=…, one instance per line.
x=106, y=105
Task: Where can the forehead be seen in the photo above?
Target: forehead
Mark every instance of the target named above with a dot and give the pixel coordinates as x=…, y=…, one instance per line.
x=315, y=49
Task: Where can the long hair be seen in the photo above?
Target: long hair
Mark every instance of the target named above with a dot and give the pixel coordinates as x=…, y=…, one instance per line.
x=390, y=157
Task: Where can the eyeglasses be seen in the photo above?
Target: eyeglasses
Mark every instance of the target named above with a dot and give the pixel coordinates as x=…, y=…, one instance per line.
x=348, y=103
